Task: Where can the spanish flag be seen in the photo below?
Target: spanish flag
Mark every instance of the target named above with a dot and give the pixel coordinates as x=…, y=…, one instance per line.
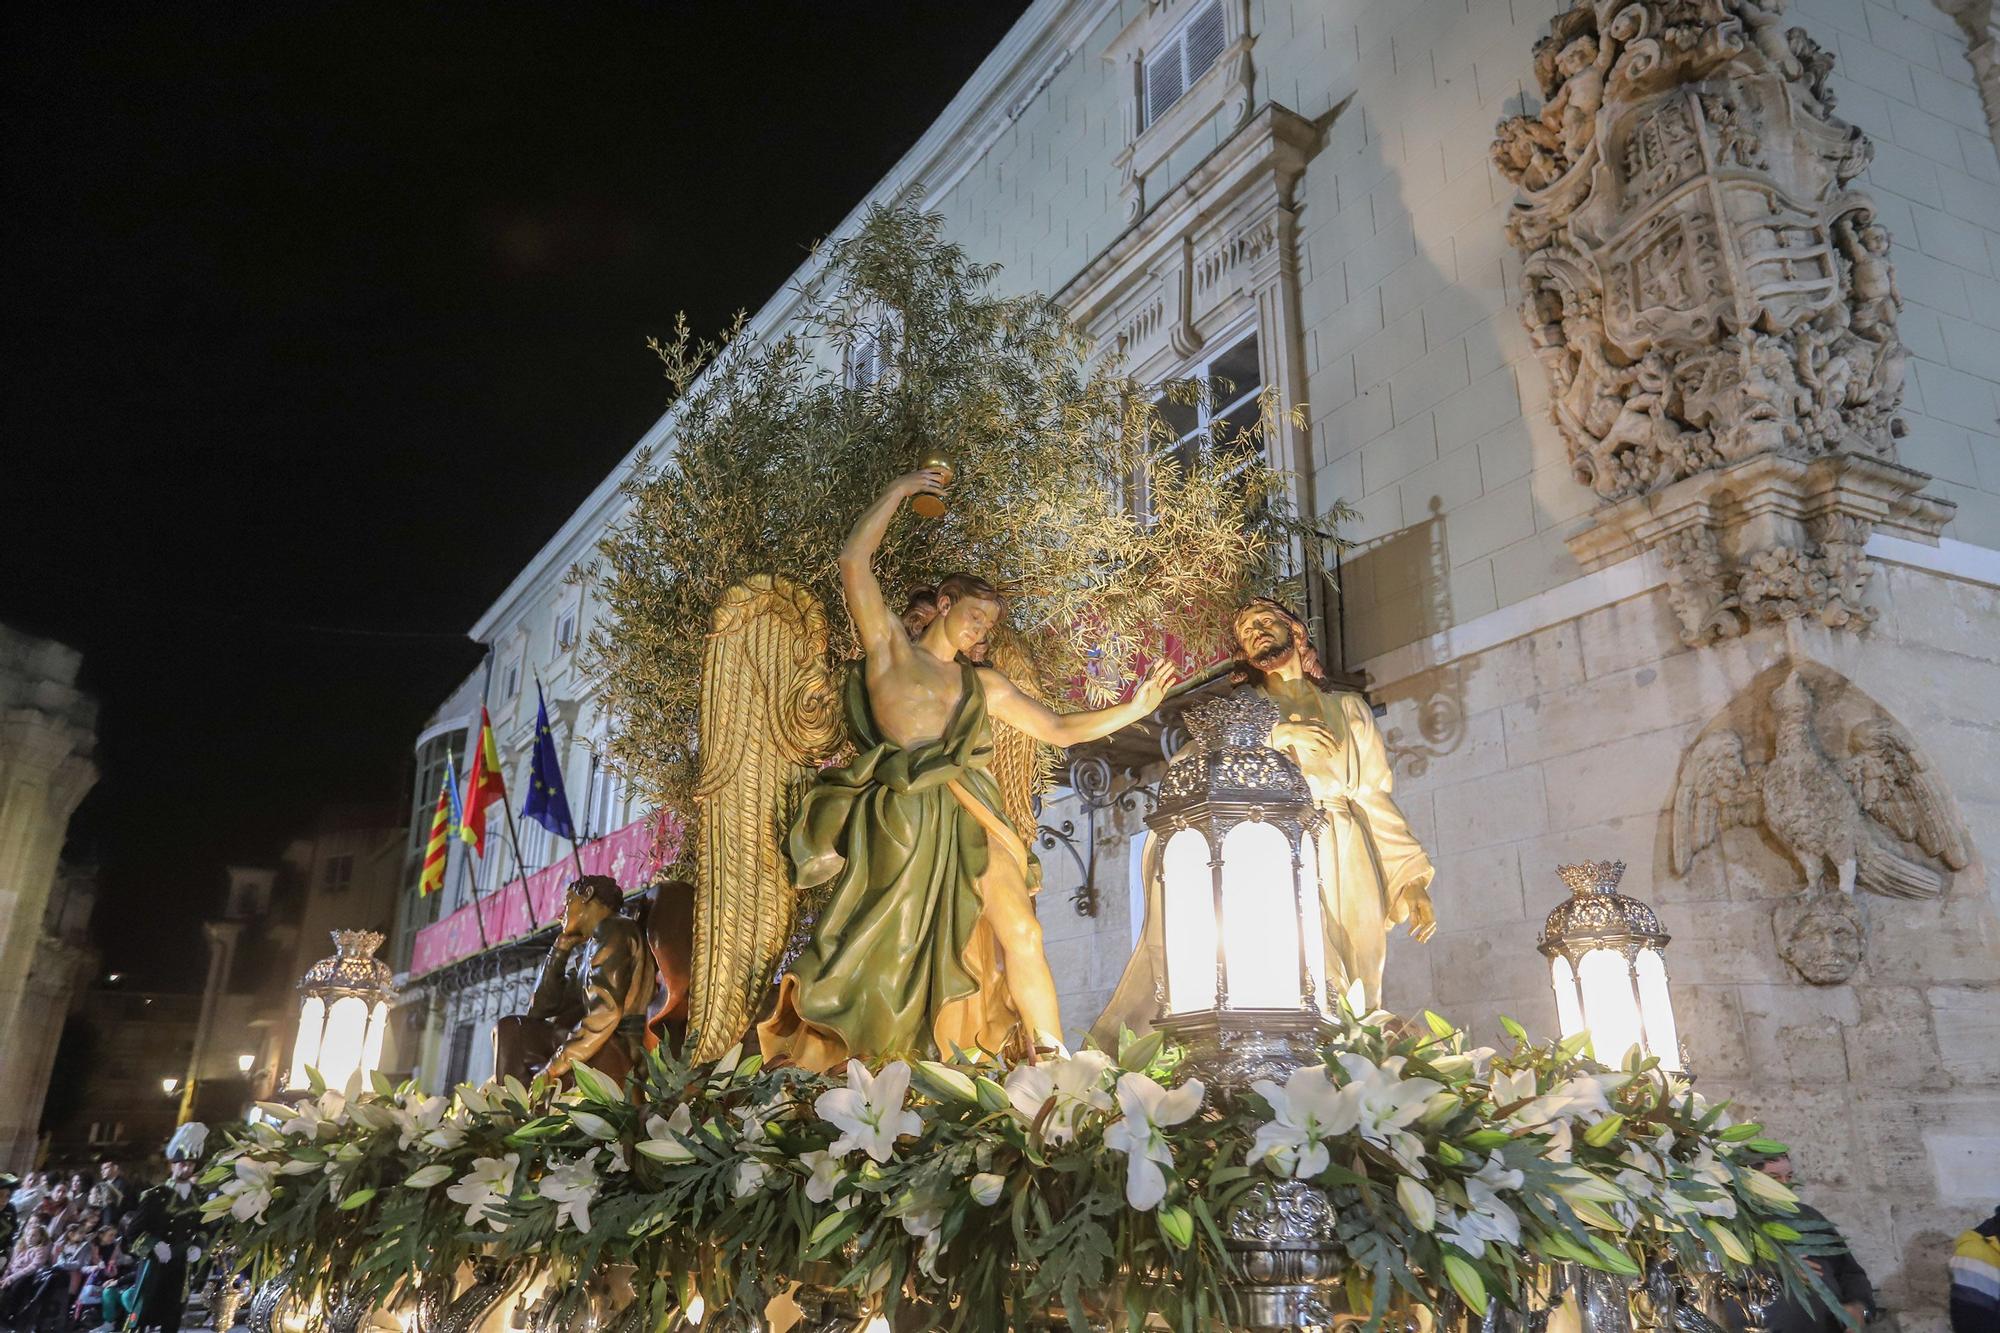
x=434, y=852
x=485, y=787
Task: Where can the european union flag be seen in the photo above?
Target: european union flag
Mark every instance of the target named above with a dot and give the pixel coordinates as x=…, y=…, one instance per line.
x=547, y=804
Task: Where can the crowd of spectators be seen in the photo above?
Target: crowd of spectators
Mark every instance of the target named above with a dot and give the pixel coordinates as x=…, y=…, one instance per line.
x=67, y=1260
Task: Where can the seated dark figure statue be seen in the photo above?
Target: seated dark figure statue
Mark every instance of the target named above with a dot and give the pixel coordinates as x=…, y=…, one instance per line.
x=591, y=999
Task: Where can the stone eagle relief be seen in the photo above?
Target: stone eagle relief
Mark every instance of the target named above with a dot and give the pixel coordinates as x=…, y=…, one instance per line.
x=1705, y=288
x=1840, y=786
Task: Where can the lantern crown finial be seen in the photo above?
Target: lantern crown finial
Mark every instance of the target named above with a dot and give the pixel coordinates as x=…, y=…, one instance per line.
x=1592, y=876
x=1596, y=913
x=352, y=968
x=1231, y=759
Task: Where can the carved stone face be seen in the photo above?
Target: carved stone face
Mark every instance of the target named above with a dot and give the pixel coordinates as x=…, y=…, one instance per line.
x=1746, y=396
x=1823, y=939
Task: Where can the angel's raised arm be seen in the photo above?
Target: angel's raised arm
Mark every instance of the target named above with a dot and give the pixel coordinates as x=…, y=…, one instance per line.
x=878, y=626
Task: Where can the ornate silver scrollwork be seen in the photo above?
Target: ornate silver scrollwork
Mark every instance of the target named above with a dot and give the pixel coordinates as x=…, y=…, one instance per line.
x=264, y=1304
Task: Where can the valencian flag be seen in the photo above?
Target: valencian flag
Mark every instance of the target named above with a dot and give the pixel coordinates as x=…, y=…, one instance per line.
x=485, y=787
x=434, y=851
x=547, y=804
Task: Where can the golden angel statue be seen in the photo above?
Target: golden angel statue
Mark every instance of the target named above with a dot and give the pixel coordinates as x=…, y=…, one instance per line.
x=913, y=855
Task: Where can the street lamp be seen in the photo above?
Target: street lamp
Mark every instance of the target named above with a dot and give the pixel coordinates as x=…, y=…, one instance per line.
x=168, y=1084
x=1244, y=982
x=245, y=1062
x=1607, y=963
x=343, y=1011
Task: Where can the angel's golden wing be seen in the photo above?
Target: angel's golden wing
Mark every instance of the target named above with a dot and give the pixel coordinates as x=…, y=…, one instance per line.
x=1021, y=764
x=769, y=713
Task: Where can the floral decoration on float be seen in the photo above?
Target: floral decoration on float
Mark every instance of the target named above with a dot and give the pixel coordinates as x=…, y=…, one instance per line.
x=1094, y=1184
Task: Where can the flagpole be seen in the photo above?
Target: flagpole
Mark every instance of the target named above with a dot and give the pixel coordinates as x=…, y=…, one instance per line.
x=520, y=862
x=575, y=848
x=465, y=858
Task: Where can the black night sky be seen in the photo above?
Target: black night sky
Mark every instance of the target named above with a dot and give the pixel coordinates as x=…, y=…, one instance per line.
x=320, y=319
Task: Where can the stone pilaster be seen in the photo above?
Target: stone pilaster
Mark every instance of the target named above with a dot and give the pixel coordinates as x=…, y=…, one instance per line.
x=47, y=731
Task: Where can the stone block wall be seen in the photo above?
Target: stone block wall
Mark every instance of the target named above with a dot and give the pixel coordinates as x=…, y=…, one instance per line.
x=1570, y=747
x=1429, y=413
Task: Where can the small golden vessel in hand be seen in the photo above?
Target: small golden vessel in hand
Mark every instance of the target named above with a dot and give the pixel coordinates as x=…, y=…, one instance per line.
x=933, y=506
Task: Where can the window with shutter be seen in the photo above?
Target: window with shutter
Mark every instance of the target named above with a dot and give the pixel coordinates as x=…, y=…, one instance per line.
x=1163, y=81
x=868, y=355
x=1206, y=36
x=1186, y=54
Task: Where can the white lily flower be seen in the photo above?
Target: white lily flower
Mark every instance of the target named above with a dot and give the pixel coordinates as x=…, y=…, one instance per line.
x=615, y=1159
x=489, y=1182
x=1561, y=1144
x=660, y=1143
x=987, y=1187
x=1076, y=1083
x=1468, y=1064
x=299, y=1166
x=1486, y=1218
x=1309, y=1109
x=418, y=1117
x=1148, y=1109
x=1585, y=1097
x=573, y=1185
x=869, y=1112
x=1497, y=1175
x=251, y=1190
x=446, y=1134
x=751, y=1176
x=827, y=1177
x=924, y=1217
x=316, y=1116
x=1386, y=1102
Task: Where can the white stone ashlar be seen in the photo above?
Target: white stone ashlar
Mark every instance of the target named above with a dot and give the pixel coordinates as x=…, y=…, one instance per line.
x=1714, y=306
x=1841, y=786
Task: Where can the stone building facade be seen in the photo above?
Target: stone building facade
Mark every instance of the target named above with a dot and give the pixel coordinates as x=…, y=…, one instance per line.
x=1672, y=419
x=48, y=729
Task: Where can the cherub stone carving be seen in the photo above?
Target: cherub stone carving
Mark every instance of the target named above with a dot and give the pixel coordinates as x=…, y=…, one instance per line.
x=1572, y=112
x=1763, y=19
x=1871, y=814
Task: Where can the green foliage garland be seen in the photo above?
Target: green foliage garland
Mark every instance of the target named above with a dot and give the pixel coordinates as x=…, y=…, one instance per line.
x=1455, y=1173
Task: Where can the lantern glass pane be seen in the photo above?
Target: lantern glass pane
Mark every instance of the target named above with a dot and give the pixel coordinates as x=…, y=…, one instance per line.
x=1609, y=1006
x=346, y=1031
x=305, y=1051
x=1569, y=1010
x=1310, y=922
x=1656, y=1007
x=1188, y=898
x=1260, y=923
x=371, y=1047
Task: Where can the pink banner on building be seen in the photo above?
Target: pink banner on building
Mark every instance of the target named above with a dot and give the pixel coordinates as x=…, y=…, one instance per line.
x=630, y=856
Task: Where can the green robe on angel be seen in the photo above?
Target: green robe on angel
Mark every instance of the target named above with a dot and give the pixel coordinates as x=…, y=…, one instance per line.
x=898, y=847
